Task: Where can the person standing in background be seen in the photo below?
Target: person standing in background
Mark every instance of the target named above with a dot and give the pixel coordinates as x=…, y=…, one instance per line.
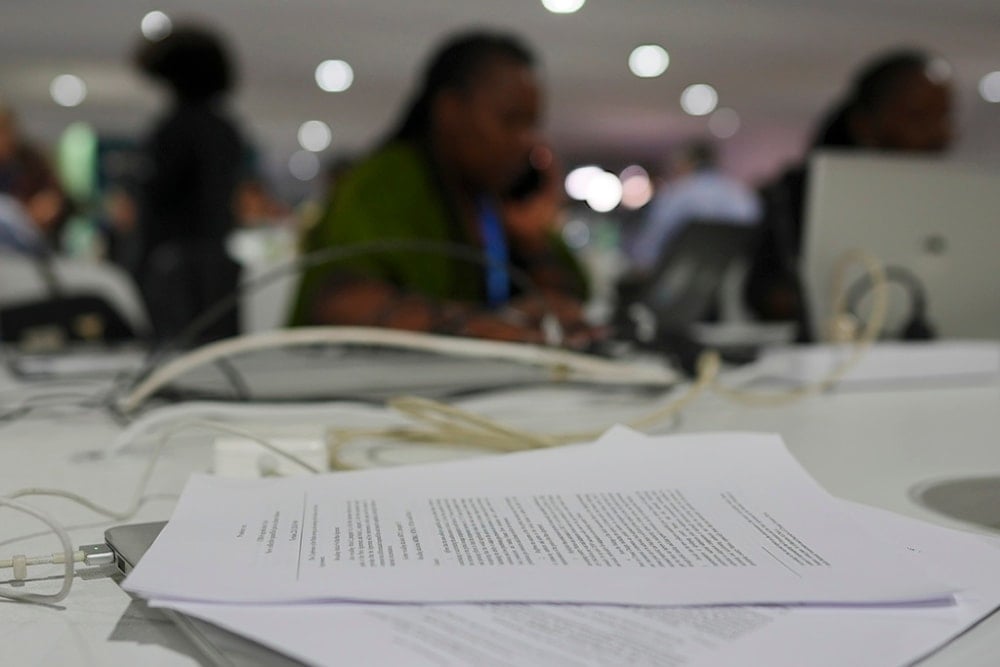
x=697, y=191
x=196, y=161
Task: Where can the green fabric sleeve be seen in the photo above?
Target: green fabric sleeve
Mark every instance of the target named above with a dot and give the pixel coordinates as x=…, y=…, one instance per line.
x=390, y=196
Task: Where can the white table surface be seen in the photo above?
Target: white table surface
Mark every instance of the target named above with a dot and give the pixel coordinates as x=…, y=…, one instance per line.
x=870, y=447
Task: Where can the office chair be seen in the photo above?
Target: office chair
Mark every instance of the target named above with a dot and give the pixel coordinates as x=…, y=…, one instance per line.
x=658, y=309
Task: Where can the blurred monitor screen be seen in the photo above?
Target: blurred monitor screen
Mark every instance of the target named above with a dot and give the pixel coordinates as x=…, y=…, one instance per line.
x=938, y=220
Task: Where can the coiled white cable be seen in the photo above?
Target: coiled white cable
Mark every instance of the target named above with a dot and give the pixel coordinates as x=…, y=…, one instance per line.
x=442, y=424
x=842, y=330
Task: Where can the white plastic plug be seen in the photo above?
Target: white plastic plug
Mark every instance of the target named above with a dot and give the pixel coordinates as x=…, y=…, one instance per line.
x=241, y=457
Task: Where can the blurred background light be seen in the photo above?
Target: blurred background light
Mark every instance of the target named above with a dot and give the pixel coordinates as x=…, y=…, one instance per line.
x=578, y=180
x=68, y=90
x=604, y=192
x=648, y=60
x=563, y=6
x=989, y=87
x=314, y=135
x=303, y=165
x=334, y=76
x=699, y=99
x=576, y=234
x=155, y=26
x=541, y=157
x=724, y=123
x=637, y=188
x=939, y=70
x=77, y=152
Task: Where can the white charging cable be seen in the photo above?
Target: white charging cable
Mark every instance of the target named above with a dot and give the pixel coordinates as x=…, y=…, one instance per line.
x=562, y=364
x=442, y=424
x=843, y=329
x=67, y=557
x=100, y=554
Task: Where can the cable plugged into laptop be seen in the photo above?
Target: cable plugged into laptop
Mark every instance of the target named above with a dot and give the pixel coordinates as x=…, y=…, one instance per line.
x=92, y=554
x=95, y=555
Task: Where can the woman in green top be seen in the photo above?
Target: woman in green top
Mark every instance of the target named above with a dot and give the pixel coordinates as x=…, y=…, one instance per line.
x=440, y=178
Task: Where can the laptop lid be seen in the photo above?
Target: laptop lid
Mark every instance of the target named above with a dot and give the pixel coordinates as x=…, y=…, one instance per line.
x=937, y=220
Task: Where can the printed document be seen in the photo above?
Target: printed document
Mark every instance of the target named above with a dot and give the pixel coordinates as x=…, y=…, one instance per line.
x=719, y=519
x=596, y=636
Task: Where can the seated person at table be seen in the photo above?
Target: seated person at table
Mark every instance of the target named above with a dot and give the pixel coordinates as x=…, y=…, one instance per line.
x=900, y=102
x=442, y=177
x=33, y=206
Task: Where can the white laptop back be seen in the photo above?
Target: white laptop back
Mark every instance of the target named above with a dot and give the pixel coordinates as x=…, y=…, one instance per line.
x=938, y=220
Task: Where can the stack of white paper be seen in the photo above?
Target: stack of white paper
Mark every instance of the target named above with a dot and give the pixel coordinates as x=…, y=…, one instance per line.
x=693, y=520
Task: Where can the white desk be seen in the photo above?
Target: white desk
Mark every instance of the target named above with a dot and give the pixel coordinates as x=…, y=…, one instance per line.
x=868, y=447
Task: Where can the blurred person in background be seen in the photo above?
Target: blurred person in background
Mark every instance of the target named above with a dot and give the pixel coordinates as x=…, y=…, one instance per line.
x=33, y=206
x=256, y=206
x=196, y=160
x=442, y=176
x=900, y=101
x=696, y=191
x=311, y=210
x=533, y=209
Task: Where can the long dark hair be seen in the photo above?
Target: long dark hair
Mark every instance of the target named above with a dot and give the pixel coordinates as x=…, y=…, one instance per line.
x=874, y=83
x=455, y=66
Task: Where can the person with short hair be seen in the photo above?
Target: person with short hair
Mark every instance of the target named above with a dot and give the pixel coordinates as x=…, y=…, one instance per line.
x=697, y=192
x=196, y=159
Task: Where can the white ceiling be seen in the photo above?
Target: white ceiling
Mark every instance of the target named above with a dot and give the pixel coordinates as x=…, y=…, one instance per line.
x=779, y=63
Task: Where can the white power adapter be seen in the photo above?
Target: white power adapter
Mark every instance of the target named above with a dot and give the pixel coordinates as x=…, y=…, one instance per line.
x=241, y=457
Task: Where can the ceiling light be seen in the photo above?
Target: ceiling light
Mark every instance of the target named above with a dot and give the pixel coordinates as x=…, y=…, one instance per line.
x=989, y=87
x=563, y=6
x=699, y=99
x=648, y=60
x=637, y=188
x=578, y=180
x=334, y=76
x=604, y=192
x=68, y=90
x=724, y=123
x=314, y=135
x=155, y=26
